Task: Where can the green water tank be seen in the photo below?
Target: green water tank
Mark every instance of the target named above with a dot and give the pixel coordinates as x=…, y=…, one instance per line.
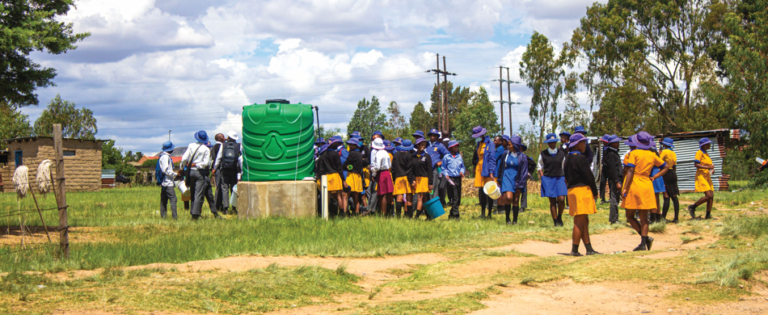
x=278, y=141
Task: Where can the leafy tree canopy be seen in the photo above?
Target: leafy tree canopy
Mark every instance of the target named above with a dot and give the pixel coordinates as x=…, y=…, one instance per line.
x=75, y=123
x=13, y=124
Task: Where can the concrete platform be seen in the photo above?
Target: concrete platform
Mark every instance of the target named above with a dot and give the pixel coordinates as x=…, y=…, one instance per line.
x=266, y=199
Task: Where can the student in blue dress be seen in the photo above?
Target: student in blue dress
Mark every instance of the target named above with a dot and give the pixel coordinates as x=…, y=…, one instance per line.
x=553, y=178
x=501, y=147
x=514, y=167
x=658, y=188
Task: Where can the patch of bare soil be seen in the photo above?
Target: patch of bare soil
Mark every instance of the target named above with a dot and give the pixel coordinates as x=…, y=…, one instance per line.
x=35, y=235
x=612, y=242
x=489, y=267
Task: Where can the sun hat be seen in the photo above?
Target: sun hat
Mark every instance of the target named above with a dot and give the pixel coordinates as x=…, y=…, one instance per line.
x=418, y=134
x=354, y=134
x=168, y=146
x=668, y=142
x=565, y=133
x=406, y=146
x=550, y=138
x=320, y=140
x=614, y=139
x=378, y=144
x=506, y=138
x=398, y=141
x=389, y=148
x=523, y=147
x=478, y=132
x=201, y=136
x=322, y=149
x=419, y=140
x=433, y=131
x=452, y=143
x=377, y=133
x=335, y=139
x=644, y=140
x=232, y=135
x=575, y=139
x=631, y=141
x=704, y=141
x=580, y=129
x=605, y=138
x=354, y=141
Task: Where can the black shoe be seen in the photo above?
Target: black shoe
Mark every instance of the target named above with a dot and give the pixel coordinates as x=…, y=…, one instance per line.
x=639, y=248
x=692, y=212
x=509, y=222
x=481, y=217
x=574, y=254
x=675, y=221
x=217, y=216
x=224, y=212
x=590, y=253
x=560, y=222
x=602, y=202
x=710, y=218
x=614, y=222
x=650, y=243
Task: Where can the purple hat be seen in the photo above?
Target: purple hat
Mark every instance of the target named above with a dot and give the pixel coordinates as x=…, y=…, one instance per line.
x=320, y=141
x=506, y=138
x=644, y=141
x=406, y=146
x=580, y=129
x=631, y=141
x=575, y=139
x=354, y=141
x=433, y=131
x=418, y=134
x=452, y=143
x=398, y=140
x=565, y=133
x=478, y=132
x=377, y=133
x=420, y=140
x=606, y=138
x=614, y=139
x=704, y=141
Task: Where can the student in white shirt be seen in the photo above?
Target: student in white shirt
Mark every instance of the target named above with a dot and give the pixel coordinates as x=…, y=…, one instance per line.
x=167, y=191
x=381, y=164
x=198, y=156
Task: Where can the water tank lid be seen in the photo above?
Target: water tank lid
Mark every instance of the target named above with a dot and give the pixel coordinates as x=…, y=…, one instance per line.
x=277, y=101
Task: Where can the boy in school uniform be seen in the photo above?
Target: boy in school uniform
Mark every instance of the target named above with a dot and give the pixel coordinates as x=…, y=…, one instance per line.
x=402, y=170
x=612, y=171
x=167, y=191
x=453, y=167
x=354, y=168
x=704, y=170
x=422, y=170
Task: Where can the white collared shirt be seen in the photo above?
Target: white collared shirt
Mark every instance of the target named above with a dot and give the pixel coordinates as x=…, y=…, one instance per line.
x=381, y=161
x=202, y=158
x=166, y=167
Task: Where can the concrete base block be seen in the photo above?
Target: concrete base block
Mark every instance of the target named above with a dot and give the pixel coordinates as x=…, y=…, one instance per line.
x=291, y=199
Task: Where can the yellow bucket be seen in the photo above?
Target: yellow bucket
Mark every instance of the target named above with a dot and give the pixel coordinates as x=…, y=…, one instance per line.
x=492, y=190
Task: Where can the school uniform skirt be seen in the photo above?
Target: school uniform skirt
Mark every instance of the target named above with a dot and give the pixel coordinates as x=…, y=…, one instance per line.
x=508, y=181
x=334, y=182
x=658, y=184
x=402, y=186
x=581, y=201
x=384, y=181
x=355, y=182
x=704, y=180
x=422, y=185
x=553, y=187
x=670, y=183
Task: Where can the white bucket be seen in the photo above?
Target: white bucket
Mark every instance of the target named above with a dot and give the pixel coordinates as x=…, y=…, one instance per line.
x=492, y=190
x=183, y=188
x=233, y=197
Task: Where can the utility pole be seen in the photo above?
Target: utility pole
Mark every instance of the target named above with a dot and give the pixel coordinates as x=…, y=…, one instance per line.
x=169, y=135
x=502, y=101
x=442, y=107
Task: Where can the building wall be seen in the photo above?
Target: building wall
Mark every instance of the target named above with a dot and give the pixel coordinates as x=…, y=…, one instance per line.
x=82, y=171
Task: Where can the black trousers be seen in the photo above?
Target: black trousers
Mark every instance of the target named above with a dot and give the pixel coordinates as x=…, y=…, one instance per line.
x=613, y=214
x=455, y=192
x=602, y=184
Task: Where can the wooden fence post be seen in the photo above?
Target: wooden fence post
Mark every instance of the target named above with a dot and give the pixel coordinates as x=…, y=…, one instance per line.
x=61, y=198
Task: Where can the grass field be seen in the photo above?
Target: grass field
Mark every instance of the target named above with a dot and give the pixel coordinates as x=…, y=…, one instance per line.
x=115, y=232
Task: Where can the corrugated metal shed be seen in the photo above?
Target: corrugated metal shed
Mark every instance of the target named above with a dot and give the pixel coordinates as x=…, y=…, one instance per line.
x=107, y=178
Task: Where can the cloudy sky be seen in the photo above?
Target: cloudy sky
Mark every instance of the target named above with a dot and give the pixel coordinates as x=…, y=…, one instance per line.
x=186, y=65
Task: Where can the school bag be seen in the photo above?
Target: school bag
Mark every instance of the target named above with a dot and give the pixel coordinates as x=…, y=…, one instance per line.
x=229, y=156
x=159, y=175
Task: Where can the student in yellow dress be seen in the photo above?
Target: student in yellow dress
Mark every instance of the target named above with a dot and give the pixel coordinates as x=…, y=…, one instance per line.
x=638, y=193
x=402, y=171
x=704, y=170
x=670, y=179
x=354, y=167
x=329, y=163
x=484, y=160
x=582, y=193
x=422, y=170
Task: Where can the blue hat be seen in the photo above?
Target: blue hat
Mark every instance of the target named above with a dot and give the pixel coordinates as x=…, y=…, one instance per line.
x=387, y=143
x=420, y=140
x=320, y=140
x=389, y=148
x=644, y=140
x=433, y=131
x=614, y=139
x=354, y=134
x=580, y=129
x=322, y=149
x=516, y=141
x=605, y=138
x=354, y=141
x=168, y=146
x=668, y=142
x=507, y=138
x=201, y=136
x=406, y=146
x=575, y=139
x=377, y=133
x=418, y=134
x=452, y=143
x=704, y=141
x=631, y=141
x=398, y=141
x=565, y=133
x=551, y=138
x=523, y=147
x=478, y=132
x=335, y=139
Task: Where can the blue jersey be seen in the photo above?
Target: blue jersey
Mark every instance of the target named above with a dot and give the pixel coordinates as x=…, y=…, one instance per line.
x=436, y=151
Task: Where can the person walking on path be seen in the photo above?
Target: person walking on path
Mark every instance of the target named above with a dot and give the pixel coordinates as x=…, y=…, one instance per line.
x=658, y=188
x=670, y=179
x=422, y=170
x=354, y=168
x=552, y=177
x=198, y=160
x=582, y=193
x=453, y=168
x=402, y=170
x=437, y=151
x=218, y=200
x=638, y=192
x=612, y=171
x=167, y=191
x=226, y=169
x=501, y=147
x=704, y=170
x=514, y=169
x=485, y=167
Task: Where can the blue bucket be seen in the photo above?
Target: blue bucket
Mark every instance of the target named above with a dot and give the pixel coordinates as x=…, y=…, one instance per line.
x=434, y=208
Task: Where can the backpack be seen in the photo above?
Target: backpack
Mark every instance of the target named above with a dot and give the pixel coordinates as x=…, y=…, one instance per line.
x=159, y=175
x=229, y=155
x=531, y=166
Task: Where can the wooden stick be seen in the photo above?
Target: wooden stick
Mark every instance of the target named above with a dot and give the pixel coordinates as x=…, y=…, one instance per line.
x=32, y=190
x=61, y=199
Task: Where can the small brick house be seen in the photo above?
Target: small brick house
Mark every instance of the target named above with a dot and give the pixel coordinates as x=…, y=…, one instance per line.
x=82, y=161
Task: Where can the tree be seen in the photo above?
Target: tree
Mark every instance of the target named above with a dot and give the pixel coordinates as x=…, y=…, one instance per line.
x=396, y=124
x=13, y=124
x=478, y=112
x=573, y=115
x=112, y=159
x=421, y=119
x=543, y=73
x=75, y=123
x=367, y=118
x=27, y=26
x=457, y=99
x=328, y=133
